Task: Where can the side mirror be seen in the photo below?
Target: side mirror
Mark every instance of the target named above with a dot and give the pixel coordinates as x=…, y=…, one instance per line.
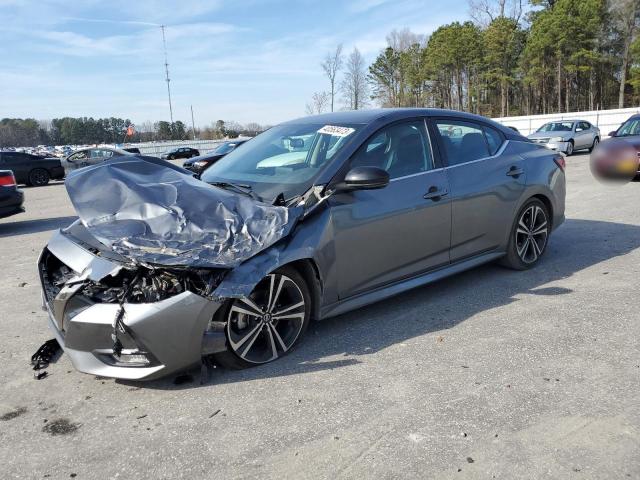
x=364, y=178
x=613, y=134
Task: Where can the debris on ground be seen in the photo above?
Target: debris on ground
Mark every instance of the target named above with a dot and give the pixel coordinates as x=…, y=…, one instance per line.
x=215, y=413
x=43, y=357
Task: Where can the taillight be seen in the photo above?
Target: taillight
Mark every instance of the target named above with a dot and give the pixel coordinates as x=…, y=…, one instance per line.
x=7, y=180
x=560, y=161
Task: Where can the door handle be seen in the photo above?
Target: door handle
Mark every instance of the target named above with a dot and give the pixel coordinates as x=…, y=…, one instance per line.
x=434, y=193
x=515, y=172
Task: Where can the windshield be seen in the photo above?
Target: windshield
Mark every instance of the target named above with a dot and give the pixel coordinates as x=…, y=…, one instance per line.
x=285, y=159
x=556, y=127
x=629, y=128
x=225, y=148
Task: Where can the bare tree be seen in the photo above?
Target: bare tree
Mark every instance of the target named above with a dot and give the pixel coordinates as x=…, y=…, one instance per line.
x=253, y=128
x=331, y=65
x=354, y=84
x=484, y=12
x=319, y=103
x=626, y=14
x=402, y=40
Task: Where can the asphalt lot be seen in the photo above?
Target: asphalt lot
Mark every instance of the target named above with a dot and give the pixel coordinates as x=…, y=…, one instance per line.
x=488, y=374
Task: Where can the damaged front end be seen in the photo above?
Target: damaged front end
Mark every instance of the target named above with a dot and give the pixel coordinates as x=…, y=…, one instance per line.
x=131, y=287
x=128, y=322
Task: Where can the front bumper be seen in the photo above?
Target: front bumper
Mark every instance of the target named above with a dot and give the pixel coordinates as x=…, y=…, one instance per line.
x=558, y=146
x=173, y=333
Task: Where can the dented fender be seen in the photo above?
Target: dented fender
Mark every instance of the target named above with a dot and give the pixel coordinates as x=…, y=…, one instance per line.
x=303, y=243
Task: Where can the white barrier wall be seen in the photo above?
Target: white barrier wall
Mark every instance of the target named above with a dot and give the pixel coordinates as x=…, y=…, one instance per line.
x=605, y=120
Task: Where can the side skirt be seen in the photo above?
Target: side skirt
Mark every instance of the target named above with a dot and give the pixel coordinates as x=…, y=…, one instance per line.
x=382, y=293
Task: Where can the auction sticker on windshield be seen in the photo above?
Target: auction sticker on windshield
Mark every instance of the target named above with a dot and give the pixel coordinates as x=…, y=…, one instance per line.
x=336, y=131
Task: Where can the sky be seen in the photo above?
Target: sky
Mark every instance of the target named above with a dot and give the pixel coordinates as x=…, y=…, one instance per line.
x=242, y=60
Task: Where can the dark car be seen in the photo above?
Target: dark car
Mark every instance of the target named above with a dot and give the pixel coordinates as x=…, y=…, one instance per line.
x=181, y=152
x=308, y=220
x=621, y=152
x=10, y=197
x=134, y=150
x=200, y=163
x=30, y=169
x=91, y=156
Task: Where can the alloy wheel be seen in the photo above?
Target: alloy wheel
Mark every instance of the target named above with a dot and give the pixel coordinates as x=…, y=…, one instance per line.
x=569, y=148
x=265, y=325
x=531, y=234
x=39, y=177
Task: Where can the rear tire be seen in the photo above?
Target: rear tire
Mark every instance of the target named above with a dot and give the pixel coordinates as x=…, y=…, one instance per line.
x=38, y=177
x=529, y=236
x=596, y=141
x=255, y=333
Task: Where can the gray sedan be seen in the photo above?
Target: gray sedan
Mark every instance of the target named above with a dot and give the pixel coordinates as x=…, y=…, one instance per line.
x=312, y=218
x=91, y=156
x=567, y=135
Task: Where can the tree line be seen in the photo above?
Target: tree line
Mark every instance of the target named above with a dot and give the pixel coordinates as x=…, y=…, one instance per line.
x=29, y=132
x=513, y=58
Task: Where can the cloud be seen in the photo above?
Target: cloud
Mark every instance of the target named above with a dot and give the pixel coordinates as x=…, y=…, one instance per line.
x=360, y=6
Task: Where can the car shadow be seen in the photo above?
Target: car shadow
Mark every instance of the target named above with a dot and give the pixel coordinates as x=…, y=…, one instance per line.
x=10, y=229
x=52, y=183
x=576, y=245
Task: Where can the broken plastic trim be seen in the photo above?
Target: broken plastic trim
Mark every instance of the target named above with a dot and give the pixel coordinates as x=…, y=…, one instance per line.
x=154, y=213
x=43, y=357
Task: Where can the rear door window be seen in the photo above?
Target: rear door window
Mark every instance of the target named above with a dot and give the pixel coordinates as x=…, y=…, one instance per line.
x=494, y=139
x=463, y=141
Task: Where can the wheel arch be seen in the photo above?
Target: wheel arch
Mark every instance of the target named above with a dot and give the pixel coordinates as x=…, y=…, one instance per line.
x=547, y=203
x=309, y=270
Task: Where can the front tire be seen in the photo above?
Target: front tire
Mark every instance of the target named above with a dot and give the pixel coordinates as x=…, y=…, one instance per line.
x=268, y=324
x=529, y=236
x=38, y=177
x=569, y=151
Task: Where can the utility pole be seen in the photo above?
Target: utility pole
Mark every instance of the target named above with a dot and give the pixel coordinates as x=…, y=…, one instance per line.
x=193, y=124
x=166, y=71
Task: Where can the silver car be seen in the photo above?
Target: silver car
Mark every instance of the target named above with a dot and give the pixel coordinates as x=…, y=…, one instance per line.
x=310, y=219
x=567, y=136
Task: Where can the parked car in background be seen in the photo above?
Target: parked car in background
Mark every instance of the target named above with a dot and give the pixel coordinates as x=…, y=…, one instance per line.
x=91, y=156
x=30, y=169
x=567, y=136
x=624, y=143
x=10, y=197
x=134, y=150
x=181, y=152
x=308, y=220
x=200, y=163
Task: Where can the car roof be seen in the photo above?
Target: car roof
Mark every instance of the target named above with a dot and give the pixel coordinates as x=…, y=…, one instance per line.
x=111, y=149
x=572, y=120
x=391, y=115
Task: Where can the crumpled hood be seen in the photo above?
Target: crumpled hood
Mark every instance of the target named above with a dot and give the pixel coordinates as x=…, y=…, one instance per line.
x=153, y=212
